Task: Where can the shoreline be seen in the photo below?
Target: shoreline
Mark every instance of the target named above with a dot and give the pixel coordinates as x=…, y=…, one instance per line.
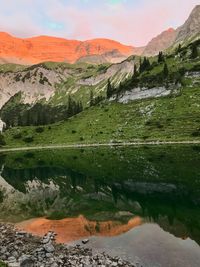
x=21, y=249
x=117, y=144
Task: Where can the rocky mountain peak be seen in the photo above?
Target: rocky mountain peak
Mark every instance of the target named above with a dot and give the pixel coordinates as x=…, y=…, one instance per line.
x=191, y=28
x=160, y=42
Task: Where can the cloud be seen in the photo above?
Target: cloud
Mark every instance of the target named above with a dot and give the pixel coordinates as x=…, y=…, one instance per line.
x=129, y=21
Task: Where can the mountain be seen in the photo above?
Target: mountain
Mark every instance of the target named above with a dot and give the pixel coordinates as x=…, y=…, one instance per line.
x=190, y=30
x=44, y=48
x=186, y=33
x=160, y=43
x=113, y=56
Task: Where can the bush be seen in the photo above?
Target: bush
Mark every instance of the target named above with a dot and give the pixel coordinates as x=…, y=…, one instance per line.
x=196, y=133
x=28, y=139
x=73, y=131
x=39, y=129
x=2, y=264
x=17, y=136
x=29, y=155
x=81, y=139
x=2, y=141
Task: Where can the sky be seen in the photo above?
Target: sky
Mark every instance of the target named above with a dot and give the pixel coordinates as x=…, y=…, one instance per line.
x=132, y=22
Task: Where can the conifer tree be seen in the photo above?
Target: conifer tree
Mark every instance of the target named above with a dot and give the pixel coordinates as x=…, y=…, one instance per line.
x=160, y=57
x=109, y=89
x=91, y=98
x=135, y=73
x=179, y=48
x=194, y=53
x=165, y=71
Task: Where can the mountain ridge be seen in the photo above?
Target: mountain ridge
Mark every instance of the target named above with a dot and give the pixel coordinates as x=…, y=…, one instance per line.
x=39, y=49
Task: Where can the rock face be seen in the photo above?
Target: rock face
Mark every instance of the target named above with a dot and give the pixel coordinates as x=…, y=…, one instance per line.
x=44, y=48
x=189, y=31
x=34, y=84
x=191, y=28
x=142, y=93
x=160, y=43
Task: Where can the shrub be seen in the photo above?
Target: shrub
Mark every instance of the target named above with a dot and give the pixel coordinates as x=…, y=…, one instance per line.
x=2, y=140
x=17, y=136
x=29, y=155
x=196, y=133
x=39, y=129
x=2, y=264
x=81, y=138
x=28, y=139
x=73, y=131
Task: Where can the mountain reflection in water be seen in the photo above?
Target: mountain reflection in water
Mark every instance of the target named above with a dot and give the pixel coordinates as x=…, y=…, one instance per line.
x=72, y=229
x=106, y=186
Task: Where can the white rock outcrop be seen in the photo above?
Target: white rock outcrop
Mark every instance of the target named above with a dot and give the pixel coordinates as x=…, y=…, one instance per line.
x=142, y=93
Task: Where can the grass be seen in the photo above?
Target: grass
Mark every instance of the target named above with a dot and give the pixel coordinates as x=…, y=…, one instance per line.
x=165, y=119
x=9, y=67
x=2, y=264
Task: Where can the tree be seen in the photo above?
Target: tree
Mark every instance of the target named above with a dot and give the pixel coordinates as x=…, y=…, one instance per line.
x=165, y=71
x=194, y=53
x=144, y=65
x=161, y=57
x=70, y=106
x=2, y=140
x=179, y=48
x=91, y=98
x=109, y=89
x=135, y=73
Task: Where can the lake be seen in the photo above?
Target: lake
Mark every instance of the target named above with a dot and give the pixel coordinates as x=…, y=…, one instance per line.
x=142, y=203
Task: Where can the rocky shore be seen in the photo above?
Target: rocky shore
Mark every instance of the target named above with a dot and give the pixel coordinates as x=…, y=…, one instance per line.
x=21, y=249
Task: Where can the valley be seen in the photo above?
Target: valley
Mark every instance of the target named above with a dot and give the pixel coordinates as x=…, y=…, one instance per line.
x=100, y=140
x=149, y=105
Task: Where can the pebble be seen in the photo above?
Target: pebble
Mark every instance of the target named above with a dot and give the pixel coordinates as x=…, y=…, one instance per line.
x=20, y=249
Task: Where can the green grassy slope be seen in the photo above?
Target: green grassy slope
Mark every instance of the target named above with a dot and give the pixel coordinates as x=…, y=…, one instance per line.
x=169, y=118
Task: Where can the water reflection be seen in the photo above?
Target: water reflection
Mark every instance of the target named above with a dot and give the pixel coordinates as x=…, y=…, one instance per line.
x=72, y=229
x=115, y=185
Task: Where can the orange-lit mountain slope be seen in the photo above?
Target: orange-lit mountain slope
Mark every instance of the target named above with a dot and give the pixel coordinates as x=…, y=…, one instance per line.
x=44, y=48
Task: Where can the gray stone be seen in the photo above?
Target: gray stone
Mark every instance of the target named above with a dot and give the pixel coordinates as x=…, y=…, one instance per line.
x=85, y=241
x=11, y=259
x=26, y=261
x=49, y=248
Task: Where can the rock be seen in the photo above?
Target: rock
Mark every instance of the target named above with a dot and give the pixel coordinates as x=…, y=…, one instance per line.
x=3, y=250
x=26, y=261
x=49, y=248
x=11, y=259
x=24, y=250
x=85, y=241
x=14, y=264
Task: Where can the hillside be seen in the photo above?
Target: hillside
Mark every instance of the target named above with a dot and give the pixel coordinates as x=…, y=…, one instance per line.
x=51, y=85
x=151, y=105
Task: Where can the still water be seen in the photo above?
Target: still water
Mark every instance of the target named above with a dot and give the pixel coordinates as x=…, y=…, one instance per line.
x=142, y=203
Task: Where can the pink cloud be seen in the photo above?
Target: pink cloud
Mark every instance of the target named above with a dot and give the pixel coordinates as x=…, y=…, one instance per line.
x=134, y=25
